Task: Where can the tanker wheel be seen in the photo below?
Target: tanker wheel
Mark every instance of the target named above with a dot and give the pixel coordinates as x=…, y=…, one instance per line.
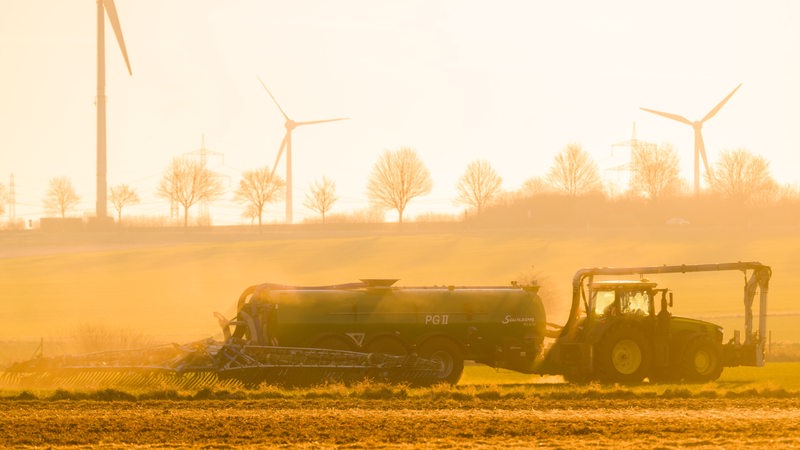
x=624, y=356
x=702, y=361
x=448, y=355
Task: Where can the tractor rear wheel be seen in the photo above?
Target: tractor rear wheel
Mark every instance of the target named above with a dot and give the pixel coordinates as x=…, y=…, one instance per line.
x=449, y=355
x=623, y=356
x=702, y=361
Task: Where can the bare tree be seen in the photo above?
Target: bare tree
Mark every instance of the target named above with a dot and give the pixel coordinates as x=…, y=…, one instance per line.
x=250, y=213
x=257, y=188
x=61, y=196
x=574, y=172
x=397, y=177
x=478, y=185
x=187, y=182
x=121, y=196
x=655, y=170
x=741, y=175
x=321, y=197
x=534, y=186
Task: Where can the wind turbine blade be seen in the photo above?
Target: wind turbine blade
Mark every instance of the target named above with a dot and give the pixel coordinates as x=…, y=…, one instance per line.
x=280, y=153
x=668, y=115
x=111, y=12
x=721, y=104
x=312, y=122
x=273, y=98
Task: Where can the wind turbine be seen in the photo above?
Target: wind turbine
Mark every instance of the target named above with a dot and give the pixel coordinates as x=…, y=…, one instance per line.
x=287, y=144
x=104, y=7
x=699, y=146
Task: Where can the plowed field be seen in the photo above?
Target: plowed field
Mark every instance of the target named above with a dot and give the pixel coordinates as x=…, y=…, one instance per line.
x=358, y=423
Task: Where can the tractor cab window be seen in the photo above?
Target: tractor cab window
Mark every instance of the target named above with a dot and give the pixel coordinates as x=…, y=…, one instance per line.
x=621, y=298
x=635, y=302
x=603, y=302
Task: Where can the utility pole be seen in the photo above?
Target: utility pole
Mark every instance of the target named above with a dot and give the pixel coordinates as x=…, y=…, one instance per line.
x=204, y=153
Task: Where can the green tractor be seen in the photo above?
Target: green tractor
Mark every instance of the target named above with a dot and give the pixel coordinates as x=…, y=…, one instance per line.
x=623, y=331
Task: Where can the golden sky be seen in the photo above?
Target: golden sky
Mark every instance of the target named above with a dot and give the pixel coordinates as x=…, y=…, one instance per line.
x=512, y=82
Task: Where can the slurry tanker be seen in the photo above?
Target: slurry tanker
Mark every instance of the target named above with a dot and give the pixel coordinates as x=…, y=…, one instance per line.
x=619, y=330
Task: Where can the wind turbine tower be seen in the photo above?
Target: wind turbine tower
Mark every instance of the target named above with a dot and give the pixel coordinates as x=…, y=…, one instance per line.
x=287, y=144
x=697, y=125
x=104, y=7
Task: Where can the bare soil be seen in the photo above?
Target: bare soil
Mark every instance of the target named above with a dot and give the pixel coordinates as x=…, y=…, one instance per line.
x=356, y=423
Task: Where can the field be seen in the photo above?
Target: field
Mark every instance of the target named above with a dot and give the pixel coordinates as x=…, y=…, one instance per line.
x=162, y=286
x=747, y=407
x=567, y=424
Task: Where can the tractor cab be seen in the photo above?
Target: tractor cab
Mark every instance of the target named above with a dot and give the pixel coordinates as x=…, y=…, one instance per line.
x=627, y=298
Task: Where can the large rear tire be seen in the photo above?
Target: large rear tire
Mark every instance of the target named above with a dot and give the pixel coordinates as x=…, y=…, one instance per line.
x=449, y=355
x=624, y=355
x=701, y=362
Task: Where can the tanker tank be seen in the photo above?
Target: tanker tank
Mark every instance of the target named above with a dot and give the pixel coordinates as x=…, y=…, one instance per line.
x=500, y=326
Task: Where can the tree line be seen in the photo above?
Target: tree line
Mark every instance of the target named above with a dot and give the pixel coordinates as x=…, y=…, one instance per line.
x=399, y=176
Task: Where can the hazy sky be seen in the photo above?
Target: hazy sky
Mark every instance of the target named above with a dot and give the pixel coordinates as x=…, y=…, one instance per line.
x=510, y=82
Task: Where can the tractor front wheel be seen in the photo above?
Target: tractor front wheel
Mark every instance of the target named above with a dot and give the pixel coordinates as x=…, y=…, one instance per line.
x=702, y=361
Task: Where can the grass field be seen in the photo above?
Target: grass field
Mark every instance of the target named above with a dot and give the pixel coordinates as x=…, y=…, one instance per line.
x=785, y=376
x=774, y=379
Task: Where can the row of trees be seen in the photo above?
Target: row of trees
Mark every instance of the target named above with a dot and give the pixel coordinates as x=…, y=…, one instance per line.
x=400, y=176
x=654, y=170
